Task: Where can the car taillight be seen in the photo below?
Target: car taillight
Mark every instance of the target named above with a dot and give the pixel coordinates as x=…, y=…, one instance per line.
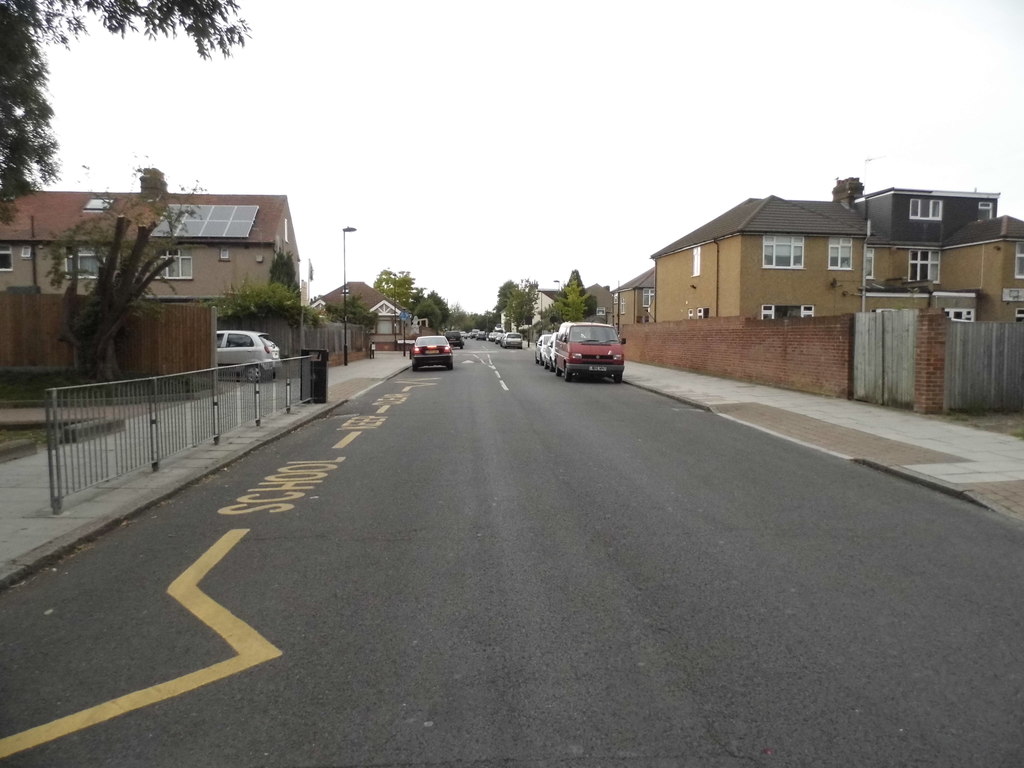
x=446, y=349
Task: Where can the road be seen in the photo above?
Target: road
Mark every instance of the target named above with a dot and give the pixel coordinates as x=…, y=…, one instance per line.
x=490, y=566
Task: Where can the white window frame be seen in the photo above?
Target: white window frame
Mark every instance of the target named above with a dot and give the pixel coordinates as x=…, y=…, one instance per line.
x=602, y=312
x=840, y=253
x=1018, y=262
x=6, y=265
x=225, y=254
x=925, y=209
x=986, y=210
x=768, y=310
x=696, y=261
x=690, y=314
x=869, y=262
x=771, y=246
x=703, y=313
x=26, y=252
x=1018, y=315
x=923, y=259
x=959, y=315
x=182, y=263
x=648, y=297
x=86, y=256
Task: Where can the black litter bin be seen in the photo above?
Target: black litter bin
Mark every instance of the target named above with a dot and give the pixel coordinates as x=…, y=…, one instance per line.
x=317, y=374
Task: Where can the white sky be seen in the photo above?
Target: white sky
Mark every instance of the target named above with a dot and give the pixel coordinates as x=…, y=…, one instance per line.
x=472, y=142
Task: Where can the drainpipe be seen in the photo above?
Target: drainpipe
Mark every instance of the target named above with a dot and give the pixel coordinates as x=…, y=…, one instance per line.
x=32, y=230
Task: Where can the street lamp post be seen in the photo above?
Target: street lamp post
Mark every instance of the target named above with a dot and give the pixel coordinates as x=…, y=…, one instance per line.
x=344, y=295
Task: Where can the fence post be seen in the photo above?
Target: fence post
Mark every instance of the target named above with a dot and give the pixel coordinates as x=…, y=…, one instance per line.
x=154, y=436
x=52, y=448
x=930, y=362
x=216, y=406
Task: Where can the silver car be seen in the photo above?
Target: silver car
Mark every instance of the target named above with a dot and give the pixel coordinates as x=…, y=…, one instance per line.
x=512, y=340
x=544, y=354
x=245, y=347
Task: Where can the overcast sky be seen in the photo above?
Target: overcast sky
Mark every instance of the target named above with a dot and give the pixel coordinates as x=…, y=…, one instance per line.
x=472, y=142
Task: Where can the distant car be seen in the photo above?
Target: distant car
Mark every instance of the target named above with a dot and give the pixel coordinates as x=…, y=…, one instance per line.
x=512, y=340
x=431, y=350
x=455, y=338
x=542, y=349
x=493, y=336
x=245, y=347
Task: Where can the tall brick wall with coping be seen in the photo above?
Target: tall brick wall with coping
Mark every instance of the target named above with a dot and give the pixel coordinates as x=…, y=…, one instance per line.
x=806, y=354
x=930, y=361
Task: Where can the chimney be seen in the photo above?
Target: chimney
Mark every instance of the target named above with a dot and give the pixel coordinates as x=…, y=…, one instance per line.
x=152, y=184
x=847, y=191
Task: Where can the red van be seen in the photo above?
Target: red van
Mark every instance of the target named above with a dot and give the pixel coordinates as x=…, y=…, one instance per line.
x=589, y=349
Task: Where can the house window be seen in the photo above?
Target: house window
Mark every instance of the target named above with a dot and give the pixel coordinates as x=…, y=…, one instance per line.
x=225, y=254
x=690, y=314
x=703, y=312
x=1018, y=268
x=696, y=261
x=869, y=262
x=840, y=253
x=1018, y=315
x=601, y=312
x=648, y=297
x=985, y=210
x=779, y=311
x=26, y=252
x=181, y=266
x=96, y=204
x=924, y=265
x=930, y=210
x=960, y=315
x=783, y=252
x=6, y=258
x=88, y=263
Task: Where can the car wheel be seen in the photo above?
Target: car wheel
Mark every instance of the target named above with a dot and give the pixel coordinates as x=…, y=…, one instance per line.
x=567, y=375
x=252, y=373
x=558, y=372
x=415, y=367
x=451, y=366
x=617, y=378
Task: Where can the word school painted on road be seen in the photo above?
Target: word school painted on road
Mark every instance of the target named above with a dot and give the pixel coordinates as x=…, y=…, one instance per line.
x=276, y=492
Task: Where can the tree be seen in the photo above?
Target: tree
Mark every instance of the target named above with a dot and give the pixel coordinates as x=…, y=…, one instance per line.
x=28, y=148
x=397, y=286
x=428, y=309
x=282, y=270
x=124, y=270
x=590, y=301
x=572, y=307
x=517, y=302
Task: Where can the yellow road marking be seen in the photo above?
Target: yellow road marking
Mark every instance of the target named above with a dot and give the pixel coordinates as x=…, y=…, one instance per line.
x=346, y=440
x=251, y=647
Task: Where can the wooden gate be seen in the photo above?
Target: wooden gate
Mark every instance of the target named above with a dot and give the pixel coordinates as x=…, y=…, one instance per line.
x=985, y=366
x=883, y=357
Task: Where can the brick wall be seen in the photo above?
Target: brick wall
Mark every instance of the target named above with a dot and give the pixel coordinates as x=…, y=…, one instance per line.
x=930, y=362
x=806, y=354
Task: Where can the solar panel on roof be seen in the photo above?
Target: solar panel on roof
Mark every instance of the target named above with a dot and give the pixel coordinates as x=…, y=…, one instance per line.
x=234, y=221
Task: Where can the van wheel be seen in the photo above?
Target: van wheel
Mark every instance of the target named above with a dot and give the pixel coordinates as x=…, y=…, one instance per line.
x=567, y=375
x=617, y=378
x=556, y=369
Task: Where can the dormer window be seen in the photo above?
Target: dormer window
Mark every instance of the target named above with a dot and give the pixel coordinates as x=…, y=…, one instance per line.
x=97, y=204
x=929, y=210
x=985, y=210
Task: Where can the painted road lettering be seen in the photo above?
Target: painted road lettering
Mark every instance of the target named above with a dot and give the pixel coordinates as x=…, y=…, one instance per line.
x=288, y=483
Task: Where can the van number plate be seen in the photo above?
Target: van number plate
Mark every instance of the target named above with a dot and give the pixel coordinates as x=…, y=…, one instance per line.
x=598, y=368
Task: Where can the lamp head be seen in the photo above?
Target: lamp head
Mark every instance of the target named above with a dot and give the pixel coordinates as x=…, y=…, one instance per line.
x=349, y=229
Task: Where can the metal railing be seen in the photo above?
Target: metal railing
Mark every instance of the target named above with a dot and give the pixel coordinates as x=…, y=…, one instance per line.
x=97, y=432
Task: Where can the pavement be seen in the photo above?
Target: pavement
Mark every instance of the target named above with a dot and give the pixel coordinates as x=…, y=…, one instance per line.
x=984, y=467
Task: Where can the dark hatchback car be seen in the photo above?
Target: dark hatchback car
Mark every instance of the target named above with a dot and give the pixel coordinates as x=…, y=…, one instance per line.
x=431, y=350
x=455, y=338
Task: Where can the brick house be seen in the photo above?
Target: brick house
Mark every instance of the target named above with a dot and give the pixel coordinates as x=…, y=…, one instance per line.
x=221, y=240
x=634, y=298
x=771, y=258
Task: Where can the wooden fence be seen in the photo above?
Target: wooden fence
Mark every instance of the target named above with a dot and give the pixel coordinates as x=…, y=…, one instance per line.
x=164, y=339
x=985, y=366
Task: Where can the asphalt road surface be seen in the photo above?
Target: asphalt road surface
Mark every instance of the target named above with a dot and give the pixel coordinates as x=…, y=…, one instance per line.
x=492, y=567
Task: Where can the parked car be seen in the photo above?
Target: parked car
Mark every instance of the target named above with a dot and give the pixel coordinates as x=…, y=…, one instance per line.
x=455, y=339
x=512, y=340
x=431, y=350
x=542, y=350
x=589, y=349
x=245, y=347
x=493, y=336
